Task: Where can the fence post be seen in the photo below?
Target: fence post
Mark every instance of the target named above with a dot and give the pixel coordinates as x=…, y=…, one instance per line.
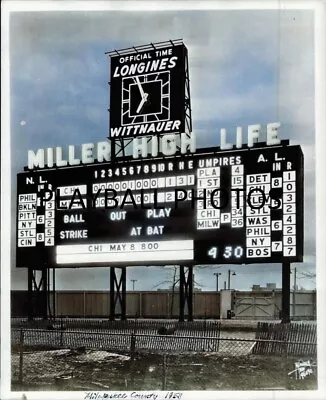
x=21, y=356
x=140, y=305
x=218, y=336
x=164, y=372
x=84, y=304
x=61, y=332
x=132, y=346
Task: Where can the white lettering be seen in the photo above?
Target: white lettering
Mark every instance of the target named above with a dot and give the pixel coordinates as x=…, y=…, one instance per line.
x=79, y=234
x=59, y=160
x=224, y=145
x=87, y=153
x=71, y=156
x=272, y=134
x=36, y=160
x=253, y=134
x=158, y=213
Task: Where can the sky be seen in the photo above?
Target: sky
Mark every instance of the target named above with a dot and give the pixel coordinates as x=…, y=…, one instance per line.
x=246, y=67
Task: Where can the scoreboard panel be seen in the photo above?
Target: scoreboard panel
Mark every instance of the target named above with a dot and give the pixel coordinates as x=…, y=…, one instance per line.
x=210, y=207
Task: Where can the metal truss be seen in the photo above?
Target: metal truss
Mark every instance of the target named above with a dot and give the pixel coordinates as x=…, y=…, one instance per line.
x=38, y=294
x=187, y=111
x=146, y=47
x=186, y=293
x=117, y=293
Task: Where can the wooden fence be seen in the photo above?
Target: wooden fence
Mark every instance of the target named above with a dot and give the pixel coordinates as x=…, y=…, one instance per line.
x=147, y=304
x=294, y=338
x=259, y=305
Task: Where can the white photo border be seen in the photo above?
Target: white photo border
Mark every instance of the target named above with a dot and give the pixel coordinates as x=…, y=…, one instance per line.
x=320, y=144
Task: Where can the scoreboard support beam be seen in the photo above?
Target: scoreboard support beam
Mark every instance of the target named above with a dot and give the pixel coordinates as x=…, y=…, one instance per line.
x=286, y=288
x=51, y=307
x=117, y=294
x=188, y=118
x=30, y=294
x=53, y=294
x=185, y=292
x=37, y=296
x=118, y=147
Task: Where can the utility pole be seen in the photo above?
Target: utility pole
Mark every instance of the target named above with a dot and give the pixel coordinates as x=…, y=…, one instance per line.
x=229, y=278
x=133, y=283
x=217, y=275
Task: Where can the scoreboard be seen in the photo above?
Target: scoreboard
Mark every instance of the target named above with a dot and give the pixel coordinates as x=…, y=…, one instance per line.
x=228, y=207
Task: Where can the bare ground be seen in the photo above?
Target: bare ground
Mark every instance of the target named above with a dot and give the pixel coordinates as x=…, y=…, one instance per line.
x=82, y=369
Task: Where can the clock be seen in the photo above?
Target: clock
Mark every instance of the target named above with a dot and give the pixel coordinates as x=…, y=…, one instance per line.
x=146, y=98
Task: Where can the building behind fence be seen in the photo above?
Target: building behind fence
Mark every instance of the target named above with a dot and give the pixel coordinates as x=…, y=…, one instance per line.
x=155, y=304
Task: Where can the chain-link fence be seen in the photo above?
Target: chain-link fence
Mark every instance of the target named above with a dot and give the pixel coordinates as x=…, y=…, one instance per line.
x=85, y=360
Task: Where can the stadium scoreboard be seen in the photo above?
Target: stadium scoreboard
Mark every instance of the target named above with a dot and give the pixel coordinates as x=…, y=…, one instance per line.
x=238, y=207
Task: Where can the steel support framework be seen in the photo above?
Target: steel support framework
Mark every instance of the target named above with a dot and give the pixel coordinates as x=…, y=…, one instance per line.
x=188, y=117
x=118, y=150
x=186, y=290
x=51, y=305
x=37, y=293
x=117, y=293
x=145, y=47
x=286, y=287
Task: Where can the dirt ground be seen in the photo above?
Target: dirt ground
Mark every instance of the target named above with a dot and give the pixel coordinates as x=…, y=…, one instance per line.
x=100, y=370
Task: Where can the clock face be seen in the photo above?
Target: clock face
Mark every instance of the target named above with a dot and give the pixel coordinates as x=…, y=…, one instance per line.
x=146, y=98
x=148, y=91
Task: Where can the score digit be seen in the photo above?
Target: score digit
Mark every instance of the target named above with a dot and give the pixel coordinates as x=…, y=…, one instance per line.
x=238, y=252
x=229, y=251
x=213, y=251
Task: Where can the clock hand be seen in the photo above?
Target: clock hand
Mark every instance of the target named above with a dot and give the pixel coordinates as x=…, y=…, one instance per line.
x=140, y=87
x=143, y=101
x=140, y=106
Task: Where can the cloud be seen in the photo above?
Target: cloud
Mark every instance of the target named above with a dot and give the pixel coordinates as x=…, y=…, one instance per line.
x=233, y=105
